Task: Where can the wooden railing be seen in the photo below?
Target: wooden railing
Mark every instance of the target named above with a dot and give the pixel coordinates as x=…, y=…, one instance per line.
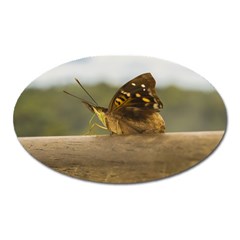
x=123, y=159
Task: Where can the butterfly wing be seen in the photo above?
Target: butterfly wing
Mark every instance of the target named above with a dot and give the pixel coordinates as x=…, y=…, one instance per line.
x=137, y=96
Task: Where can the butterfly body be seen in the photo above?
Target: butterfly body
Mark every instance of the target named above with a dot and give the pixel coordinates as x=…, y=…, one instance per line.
x=154, y=123
x=134, y=109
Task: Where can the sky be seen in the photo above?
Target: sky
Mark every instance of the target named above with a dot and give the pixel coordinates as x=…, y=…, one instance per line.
x=117, y=70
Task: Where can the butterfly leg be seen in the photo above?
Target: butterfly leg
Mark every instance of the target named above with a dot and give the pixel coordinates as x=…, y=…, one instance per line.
x=89, y=125
x=90, y=121
x=117, y=130
x=118, y=127
x=95, y=125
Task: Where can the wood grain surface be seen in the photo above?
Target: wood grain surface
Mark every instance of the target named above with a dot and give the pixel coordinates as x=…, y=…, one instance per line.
x=123, y=159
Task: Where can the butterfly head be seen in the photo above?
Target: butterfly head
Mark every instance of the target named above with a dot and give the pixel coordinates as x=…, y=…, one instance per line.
x=99, y=111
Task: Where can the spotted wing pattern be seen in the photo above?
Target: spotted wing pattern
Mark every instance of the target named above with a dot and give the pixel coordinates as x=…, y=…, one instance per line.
x=139, y=94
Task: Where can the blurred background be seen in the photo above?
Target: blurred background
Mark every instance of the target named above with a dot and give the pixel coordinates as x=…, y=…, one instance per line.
x=190, y=103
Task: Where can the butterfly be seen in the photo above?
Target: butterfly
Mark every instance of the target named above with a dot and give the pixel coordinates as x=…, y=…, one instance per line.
x=134, y=109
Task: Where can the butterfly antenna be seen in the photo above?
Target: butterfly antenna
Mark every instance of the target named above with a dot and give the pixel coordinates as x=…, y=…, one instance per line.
x=73, y=95
x=85, y=90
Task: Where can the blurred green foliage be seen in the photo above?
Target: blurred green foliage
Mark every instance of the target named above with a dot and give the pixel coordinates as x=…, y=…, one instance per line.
x=49, y=112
